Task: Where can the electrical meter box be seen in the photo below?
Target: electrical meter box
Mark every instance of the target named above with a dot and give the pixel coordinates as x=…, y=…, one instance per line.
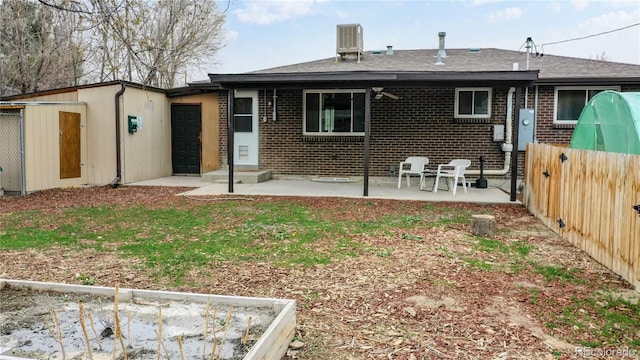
x=498, y=132
x=134, y=124
x=526, y=128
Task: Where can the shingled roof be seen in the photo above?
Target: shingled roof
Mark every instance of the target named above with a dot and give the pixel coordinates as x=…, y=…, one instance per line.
x=551, y=67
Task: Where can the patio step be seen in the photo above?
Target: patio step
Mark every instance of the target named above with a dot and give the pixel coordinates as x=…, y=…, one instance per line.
x=239, y=176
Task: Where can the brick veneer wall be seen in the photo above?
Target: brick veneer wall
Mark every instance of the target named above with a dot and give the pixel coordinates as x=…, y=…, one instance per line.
x=546, y=130
x=421, y=123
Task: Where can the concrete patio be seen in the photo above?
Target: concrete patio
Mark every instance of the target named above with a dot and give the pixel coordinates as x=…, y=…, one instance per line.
x=379, y=188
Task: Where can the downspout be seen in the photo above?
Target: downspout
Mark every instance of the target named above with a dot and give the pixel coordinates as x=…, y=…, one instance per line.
x=115, y=182
x=507, y=146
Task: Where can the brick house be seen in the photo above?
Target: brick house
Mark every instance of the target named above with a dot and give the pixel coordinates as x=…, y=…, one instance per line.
x=364, y=112
x=355, y=114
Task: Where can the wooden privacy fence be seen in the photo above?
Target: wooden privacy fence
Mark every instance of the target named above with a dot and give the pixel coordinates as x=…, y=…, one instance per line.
x=590, y=198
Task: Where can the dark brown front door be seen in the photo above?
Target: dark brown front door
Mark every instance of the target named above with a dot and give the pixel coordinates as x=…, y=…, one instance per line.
x=185, y=138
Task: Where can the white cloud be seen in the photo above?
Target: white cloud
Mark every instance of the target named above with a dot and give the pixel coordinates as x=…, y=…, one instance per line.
x=507, y=14
x=341, y=14
x=266, y=12
x=555, y=6
x=475, y=3
x=619, y=46
x=232, y=35
x=611, y=20
x=483, y=2
x=580, y=4
x=619, y=4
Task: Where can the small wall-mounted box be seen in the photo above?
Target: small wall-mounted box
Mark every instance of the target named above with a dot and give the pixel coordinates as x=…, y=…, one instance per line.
x=133, y=124
x=498, y=132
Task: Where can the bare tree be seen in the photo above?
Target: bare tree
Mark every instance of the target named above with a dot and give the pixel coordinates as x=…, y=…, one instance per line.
x=601, y=57
x=184, y=33
x=38, y=48
x=153, y=42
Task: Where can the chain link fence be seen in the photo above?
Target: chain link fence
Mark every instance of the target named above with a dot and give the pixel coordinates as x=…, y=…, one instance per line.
x=12, y=176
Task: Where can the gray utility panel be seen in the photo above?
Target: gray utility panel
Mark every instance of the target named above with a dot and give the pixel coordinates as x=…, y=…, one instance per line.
x=526, y=128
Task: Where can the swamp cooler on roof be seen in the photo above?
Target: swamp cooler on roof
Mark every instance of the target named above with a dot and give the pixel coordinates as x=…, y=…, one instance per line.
x=609, y=122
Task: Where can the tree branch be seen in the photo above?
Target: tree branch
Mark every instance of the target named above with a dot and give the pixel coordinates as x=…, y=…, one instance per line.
x=67, y=9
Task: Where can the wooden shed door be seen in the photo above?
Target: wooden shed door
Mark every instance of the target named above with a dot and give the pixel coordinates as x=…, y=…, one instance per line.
x=185, y=138
x=69, y=144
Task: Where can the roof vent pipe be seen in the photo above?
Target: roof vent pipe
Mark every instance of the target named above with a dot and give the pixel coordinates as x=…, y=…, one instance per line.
x=389, y=50
x=441, y=52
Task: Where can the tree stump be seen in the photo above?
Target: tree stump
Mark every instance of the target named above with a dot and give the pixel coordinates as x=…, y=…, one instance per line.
x=483, y=225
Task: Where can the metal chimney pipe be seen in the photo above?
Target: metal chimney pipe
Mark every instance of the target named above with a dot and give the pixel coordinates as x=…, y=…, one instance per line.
x=389, y=50
x=441, y=52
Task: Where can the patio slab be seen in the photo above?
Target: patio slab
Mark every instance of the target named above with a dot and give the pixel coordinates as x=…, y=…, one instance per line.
x=379, y=188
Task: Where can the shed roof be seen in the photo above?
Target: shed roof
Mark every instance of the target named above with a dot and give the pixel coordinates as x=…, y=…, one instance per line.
x=78, y=87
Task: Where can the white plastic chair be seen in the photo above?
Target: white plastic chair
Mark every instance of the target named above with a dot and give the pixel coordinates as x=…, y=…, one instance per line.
x=413, y=165
x=455, y=170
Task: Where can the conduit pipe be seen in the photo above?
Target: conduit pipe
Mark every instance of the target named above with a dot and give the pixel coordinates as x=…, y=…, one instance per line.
x=275, y=101
x=115, y=182
x=507, y=146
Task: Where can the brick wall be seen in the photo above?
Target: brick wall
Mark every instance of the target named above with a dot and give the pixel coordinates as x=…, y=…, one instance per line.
x=421, y=123
x=426, y=128
x=546, y=130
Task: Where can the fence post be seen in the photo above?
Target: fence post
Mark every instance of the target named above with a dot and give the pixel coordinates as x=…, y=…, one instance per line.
x=23, y=176
x=12, y=176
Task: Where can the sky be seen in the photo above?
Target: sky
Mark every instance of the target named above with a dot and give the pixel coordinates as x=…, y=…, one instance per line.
x=261, y=34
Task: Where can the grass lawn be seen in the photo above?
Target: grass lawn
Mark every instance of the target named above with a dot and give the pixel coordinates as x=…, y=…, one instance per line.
x=372, y=278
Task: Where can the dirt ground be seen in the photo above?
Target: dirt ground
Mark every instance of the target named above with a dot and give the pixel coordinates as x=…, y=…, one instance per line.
x=420, y=301
x=30, y=327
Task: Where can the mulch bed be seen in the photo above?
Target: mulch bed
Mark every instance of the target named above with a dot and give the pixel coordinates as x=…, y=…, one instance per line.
x=417, y=302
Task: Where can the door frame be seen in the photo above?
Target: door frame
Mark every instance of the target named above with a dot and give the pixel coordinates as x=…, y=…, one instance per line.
x=199, y=138
x=251, y=140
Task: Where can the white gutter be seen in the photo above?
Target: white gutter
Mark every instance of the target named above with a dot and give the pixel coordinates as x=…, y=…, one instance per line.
x=507, y=146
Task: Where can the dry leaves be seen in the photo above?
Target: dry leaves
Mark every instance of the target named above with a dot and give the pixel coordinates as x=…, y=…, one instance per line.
x=417, y=302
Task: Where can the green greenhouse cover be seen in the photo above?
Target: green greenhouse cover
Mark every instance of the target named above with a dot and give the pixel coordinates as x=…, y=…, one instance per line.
x=609, y=122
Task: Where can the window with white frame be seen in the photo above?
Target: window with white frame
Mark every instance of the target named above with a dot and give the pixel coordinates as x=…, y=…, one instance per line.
x=473, y=103
x=243, y=114
x=334, y=112
x=570, y=100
